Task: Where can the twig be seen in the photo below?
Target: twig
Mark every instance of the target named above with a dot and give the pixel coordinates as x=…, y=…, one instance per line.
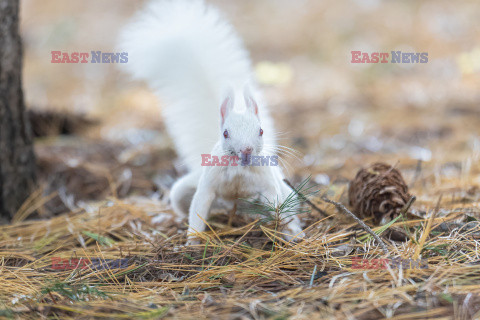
x=342, y=208
x=51, y=297
x=305, y=198
x=407, y=206
x=403, y=213
x=418, y=171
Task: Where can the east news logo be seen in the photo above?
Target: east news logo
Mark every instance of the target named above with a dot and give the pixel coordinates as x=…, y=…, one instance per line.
x=383, y=57
x=89, y=57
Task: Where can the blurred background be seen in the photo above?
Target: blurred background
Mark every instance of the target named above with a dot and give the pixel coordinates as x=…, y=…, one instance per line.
x=339, y=116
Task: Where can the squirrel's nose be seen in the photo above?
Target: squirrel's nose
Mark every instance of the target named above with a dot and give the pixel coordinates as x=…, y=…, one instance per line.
x=246, y=151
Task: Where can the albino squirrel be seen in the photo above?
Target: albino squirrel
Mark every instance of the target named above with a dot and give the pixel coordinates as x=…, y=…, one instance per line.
x=197, y=65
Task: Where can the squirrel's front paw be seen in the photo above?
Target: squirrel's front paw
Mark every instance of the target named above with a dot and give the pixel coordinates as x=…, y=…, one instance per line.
x=297, y=237
x=191, y=241
x=293, y=232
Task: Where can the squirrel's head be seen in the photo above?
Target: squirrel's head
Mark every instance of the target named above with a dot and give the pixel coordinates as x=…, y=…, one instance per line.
x=241, y=132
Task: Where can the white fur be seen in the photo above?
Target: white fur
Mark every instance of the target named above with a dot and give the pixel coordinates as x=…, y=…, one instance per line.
x=193, y=60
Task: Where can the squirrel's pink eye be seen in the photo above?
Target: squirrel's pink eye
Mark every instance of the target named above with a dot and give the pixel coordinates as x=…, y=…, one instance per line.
x=261, y=132
x=225, y=134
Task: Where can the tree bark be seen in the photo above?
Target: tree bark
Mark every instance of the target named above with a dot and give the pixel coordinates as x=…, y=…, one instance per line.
x=17, y=161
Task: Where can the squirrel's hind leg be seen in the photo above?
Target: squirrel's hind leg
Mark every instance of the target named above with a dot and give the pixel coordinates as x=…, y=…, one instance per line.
x=182, y=193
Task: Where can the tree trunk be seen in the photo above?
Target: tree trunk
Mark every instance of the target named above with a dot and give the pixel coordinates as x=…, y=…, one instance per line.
x=17, y=161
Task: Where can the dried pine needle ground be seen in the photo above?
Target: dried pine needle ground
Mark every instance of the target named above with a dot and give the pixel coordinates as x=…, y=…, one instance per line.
x=242, y=271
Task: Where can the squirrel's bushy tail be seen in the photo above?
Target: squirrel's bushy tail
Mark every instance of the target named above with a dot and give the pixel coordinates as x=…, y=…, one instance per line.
x=188, y=54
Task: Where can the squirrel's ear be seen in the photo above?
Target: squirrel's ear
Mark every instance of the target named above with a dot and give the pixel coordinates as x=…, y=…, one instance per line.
x=250, y=100
x=227, y=104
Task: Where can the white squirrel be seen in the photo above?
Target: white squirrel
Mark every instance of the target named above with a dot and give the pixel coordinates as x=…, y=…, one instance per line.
x=197, y=65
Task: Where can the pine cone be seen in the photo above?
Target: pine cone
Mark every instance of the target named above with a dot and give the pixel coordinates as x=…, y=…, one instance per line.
x=378, y=191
